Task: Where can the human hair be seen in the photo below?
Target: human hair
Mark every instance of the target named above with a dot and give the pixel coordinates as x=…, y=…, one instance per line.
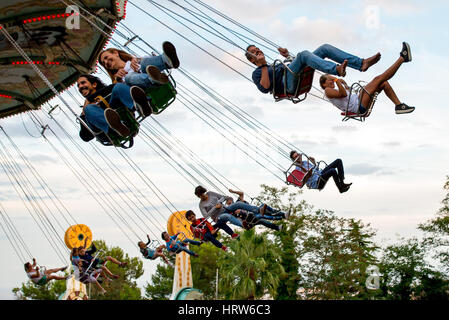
x=123, y=55
x=163, y=234
x=189, y=213
x=248, y=55
x=26, y=266
x=199, y=191
x=93, y=79
x=323, y=79
x=292, y=153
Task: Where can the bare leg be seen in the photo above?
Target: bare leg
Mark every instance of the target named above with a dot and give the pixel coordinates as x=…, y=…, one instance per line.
x=100, y=287
x=109, y=273
x=163, y=257
x=50, y=271
x=386, y=87
x=370, y=61
x=113, y=260
x=103, y=274
x=53, y=277
x=376, y=83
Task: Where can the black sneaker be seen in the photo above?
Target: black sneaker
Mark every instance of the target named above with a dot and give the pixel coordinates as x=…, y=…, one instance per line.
x=403, y=108
x=170, y=53
x=113, y=120
x=345, y=188
x=156, y=75
x=141, y=101
x=406, y=52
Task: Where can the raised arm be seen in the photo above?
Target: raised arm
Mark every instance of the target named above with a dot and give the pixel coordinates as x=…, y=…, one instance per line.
x=333, y=93
x=265, y=78
x=284, y=52
x=85, y=242
x=239, y=193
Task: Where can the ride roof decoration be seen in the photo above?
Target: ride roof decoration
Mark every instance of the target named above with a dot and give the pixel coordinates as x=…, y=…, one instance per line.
x=39, y=28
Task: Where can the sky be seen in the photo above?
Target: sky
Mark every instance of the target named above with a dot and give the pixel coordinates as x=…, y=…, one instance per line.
x=397, y=163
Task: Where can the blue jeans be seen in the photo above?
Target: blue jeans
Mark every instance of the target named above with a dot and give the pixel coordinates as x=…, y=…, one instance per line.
x=334, y=170
x=254, y=209
x=227, y=217
x=180, y=246
x=221, y=224
x=141, y=79
x=278, y=216
x=209, y=237
x=120, y=95
x=316, y=61
x=267, y=224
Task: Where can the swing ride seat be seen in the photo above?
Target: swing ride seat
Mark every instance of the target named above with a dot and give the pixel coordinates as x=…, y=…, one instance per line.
x=162, y=96
x=298, y=177
x=113, y=138
x=305, y=82
x=356, y=88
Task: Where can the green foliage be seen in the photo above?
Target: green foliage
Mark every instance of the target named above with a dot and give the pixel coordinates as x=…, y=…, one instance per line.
x=286, y=241
x=334, y=254
x=406, y=275
x=204, y=269
x=324, y=256
x=251, y=267
x=161, y=284
x=30, y=291
x=437, y=233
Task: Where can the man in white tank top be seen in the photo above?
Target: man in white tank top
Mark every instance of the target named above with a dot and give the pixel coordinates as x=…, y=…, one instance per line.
x=341, y=98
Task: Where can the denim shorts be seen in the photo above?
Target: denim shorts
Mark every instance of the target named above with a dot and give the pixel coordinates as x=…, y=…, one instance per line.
x=362, y=109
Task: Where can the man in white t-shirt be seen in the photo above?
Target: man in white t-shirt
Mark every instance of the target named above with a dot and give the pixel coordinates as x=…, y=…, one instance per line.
x=41, y=277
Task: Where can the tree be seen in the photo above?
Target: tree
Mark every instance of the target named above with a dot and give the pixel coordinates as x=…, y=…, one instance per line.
x=286, y=241
x=334, y=254
x=124, y=288
x=437, y=233
x=251, y=267
x=29, y=291
x=406, y=275
x=161, y=284
x=204, y=269
x=324, y=256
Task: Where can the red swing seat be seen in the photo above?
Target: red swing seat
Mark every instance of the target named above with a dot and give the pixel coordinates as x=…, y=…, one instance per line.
x=305, y=82
x=356, y=88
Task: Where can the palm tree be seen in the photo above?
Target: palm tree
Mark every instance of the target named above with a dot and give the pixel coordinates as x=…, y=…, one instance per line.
x=251, y=267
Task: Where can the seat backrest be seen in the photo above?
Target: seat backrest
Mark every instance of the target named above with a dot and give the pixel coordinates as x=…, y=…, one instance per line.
x=305, y=80
x=161, y=96
x=296, y=177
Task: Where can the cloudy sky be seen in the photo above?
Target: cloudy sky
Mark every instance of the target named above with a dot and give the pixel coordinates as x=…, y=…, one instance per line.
x=397, y=163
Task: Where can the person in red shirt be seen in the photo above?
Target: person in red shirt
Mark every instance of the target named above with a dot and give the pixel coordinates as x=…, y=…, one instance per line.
x=203, y=230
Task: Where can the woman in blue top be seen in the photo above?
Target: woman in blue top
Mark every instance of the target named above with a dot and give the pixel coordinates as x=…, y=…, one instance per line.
x=319, y=177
